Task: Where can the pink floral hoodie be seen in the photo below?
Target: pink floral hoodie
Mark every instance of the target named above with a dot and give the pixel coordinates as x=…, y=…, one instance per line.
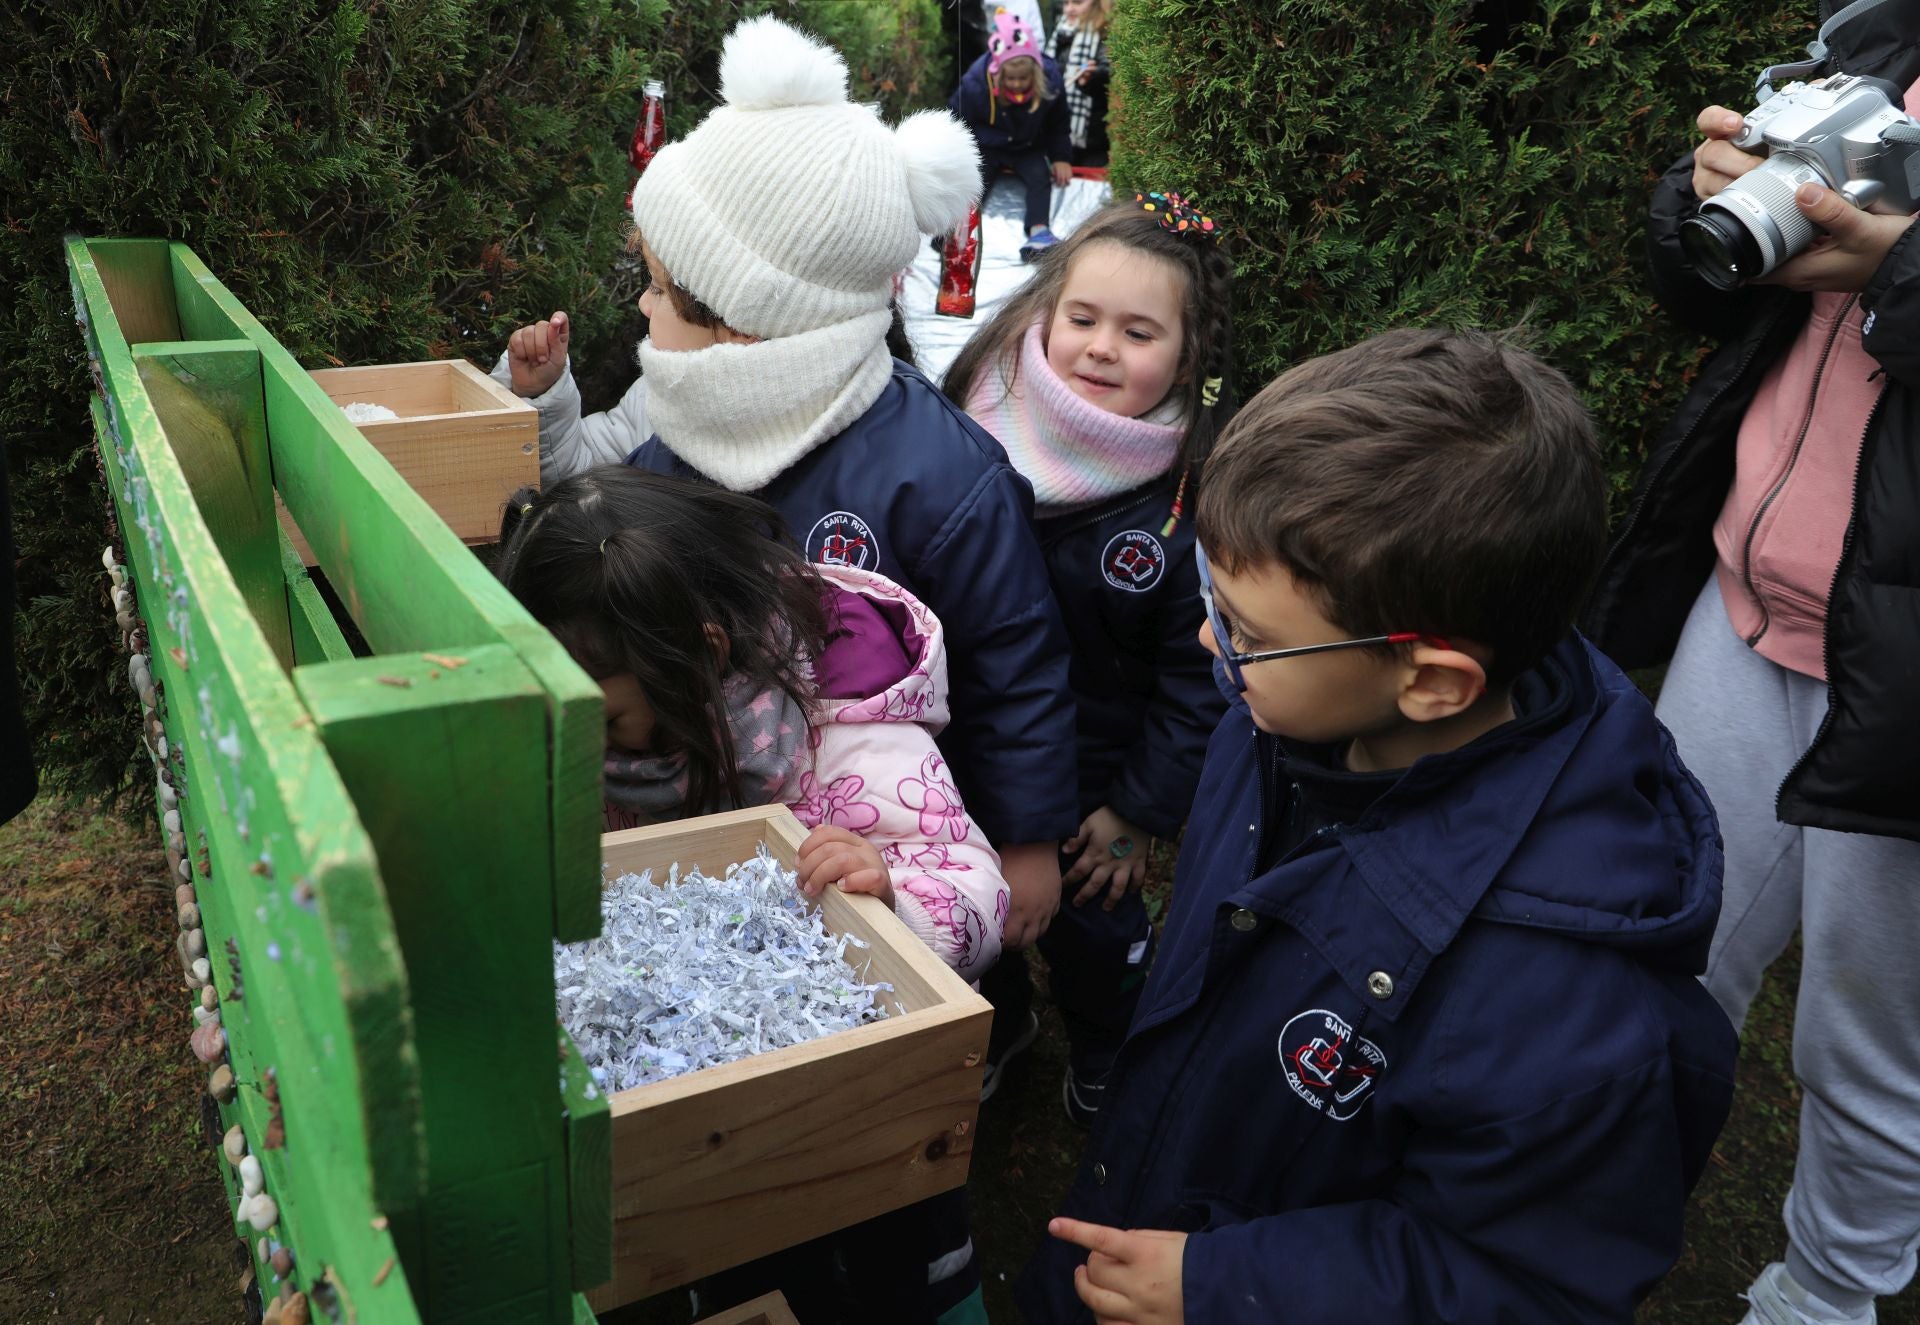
x=876, y=771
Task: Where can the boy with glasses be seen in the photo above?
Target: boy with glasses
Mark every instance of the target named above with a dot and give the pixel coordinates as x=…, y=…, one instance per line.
x=1424, y=1042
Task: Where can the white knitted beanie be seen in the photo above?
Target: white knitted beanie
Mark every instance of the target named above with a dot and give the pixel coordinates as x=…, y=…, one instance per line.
x=790, y=208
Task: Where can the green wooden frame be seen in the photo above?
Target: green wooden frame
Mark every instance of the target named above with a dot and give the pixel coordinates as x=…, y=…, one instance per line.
x=382, y=848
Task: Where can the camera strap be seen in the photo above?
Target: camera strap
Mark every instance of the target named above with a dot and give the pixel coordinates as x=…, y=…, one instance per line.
x=1817, y=49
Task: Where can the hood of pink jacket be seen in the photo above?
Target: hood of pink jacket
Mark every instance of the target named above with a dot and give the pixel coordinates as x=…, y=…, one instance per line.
x=915, y=642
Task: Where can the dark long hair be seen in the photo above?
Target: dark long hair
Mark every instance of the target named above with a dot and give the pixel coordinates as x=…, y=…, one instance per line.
x=627, y=569
x=1206, y=317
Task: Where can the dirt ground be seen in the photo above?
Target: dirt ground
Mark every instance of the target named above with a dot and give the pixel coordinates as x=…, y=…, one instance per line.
x=111, y=1210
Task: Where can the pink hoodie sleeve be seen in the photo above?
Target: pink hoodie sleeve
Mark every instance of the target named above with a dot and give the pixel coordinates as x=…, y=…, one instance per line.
x=947, y=886
x=877, y=771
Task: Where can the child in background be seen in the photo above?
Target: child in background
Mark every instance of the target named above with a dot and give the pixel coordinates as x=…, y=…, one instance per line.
x=1080, y=49
x=1105, y=379
x=1012, y=99
x=1424, y=1042
x=831, y=687
x=772, y=234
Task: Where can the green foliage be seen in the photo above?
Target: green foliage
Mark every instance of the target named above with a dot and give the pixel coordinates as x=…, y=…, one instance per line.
x=895, y=51
x=377, y=180
x=1426, y=166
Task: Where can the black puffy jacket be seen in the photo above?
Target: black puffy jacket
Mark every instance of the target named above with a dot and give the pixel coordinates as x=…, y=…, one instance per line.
x=1860, y=774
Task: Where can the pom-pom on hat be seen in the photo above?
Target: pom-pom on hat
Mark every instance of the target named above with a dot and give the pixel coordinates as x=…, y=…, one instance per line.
x=1012, y=38
x=790, y=208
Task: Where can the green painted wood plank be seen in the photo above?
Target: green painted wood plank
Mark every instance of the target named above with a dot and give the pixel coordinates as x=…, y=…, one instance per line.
x=448, y=766
x=207, y=398
x=137, y=280
x=364, y=522
x=288, y=872
x=316, y=635
x=589, y=1167
x=202, y=317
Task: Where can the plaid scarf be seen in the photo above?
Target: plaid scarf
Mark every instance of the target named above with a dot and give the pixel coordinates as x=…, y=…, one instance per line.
x=769, y=746
x=1086, y=52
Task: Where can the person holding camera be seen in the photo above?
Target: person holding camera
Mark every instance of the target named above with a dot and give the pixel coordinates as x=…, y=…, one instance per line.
x=1789, y=485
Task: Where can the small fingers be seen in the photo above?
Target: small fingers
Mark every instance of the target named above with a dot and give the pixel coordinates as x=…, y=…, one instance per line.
x=1102, y=1238
x=1105, y=1304
x=1719, y=122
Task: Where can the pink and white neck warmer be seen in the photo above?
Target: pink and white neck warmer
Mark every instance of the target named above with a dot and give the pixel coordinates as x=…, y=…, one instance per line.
x=1071, y=450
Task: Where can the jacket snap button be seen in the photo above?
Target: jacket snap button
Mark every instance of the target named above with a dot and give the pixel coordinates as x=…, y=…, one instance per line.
x=1244, y=920
x=1100, y=1175
x=1380, y=985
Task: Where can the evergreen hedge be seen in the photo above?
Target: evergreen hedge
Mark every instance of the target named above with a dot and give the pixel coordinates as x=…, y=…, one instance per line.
x=1441, y=162
x=378, y=181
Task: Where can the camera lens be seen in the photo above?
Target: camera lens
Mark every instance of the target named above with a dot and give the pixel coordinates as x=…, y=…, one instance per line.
x=1722, y=250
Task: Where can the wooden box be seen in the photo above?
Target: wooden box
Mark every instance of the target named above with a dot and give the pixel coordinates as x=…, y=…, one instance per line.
x=769, y=1310
x=730, y=1163
x=462, y=441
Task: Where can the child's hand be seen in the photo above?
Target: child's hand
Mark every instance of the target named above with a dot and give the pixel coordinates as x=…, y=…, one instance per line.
x=835, y=855
x=1132, y=1276
x=1062, y=174
x=1032, y=872
x=537, y=355
x=1099, y=865
x=1717, y=162
x=1850, y=248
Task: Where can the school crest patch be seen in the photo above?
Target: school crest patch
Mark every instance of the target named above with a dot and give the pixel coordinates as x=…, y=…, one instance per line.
x=841, y=538
x=1327, y=1065
x=1133, y=561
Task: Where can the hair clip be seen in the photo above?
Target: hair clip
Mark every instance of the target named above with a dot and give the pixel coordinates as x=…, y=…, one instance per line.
x=1179, y=216
x=1210, y=392
x=526, y=508
x=603, y=545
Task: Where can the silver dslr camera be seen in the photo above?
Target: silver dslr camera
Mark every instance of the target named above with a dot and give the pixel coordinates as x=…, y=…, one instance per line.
x=1846, y=133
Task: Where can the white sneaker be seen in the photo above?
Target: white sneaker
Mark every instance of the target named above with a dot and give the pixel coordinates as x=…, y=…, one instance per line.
x=1777, y=1298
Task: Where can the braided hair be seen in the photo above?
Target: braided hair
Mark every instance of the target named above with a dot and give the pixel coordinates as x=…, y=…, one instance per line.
x=1205, y=373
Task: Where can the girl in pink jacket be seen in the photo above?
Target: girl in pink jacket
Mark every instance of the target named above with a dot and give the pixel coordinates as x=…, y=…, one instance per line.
x=686, y=604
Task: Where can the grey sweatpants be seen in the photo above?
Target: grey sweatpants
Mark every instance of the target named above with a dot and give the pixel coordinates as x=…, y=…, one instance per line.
x=1740, y=721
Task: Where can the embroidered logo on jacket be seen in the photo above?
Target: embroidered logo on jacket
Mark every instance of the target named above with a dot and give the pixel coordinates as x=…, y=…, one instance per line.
x=1328, y=1066
x=1133, y=561
x=841, y=538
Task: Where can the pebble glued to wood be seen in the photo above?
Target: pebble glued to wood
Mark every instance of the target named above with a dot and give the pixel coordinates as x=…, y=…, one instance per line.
x=705, y=971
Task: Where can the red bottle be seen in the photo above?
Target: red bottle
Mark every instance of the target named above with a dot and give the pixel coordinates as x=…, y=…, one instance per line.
x=650, y=130
x=959, y=269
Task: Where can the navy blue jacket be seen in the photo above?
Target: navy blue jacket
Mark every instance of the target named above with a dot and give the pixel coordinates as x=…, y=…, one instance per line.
x=1015, y=128
x=1142, y=684
x=916, y=490
x=1447, y=1062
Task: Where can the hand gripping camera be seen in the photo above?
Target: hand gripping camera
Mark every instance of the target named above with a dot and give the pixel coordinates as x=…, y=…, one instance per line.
x=1849, y=134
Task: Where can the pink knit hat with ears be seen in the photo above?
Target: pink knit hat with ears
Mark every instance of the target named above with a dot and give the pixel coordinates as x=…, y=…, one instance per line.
x=1011, y=39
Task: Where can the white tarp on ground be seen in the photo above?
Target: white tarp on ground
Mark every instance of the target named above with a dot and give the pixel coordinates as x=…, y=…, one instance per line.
x=937, y=340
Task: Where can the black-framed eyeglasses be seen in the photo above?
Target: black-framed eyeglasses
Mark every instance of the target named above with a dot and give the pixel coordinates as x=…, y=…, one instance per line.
x=1223, y=633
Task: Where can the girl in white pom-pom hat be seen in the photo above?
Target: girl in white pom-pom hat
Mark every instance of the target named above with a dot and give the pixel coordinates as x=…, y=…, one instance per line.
x=771, y=235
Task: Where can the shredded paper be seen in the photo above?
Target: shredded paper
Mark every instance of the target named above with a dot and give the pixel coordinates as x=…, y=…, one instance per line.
x=365, y=411
x=705, y=971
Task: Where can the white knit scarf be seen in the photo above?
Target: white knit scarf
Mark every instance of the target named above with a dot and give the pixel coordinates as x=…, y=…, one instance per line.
x=1071, y=450
x=743, y=414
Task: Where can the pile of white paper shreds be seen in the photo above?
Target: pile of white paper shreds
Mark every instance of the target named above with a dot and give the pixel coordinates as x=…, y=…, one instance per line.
x=705, y=971
x=365, y=411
